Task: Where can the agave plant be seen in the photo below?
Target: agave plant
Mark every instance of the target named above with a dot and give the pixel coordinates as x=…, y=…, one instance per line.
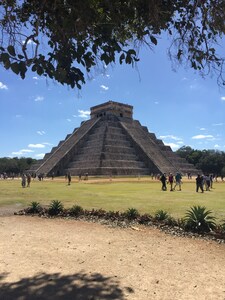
x=199, y=219
x=223, y=225
x=161, y=215
x=34, y=207
x=55, y=208
x=76, y=210
x=131, y=213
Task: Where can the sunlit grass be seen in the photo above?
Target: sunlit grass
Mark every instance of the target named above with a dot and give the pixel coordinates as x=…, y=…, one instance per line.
x=144, y=194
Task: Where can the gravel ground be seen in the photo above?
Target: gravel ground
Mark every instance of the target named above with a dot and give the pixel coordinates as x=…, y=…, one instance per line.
x=44, y=258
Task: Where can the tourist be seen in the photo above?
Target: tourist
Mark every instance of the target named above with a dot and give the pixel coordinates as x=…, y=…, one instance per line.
x=24, y=179
x=28, y=179
x=69, y=178
x=211, y=181
x=163, y=180
x=199, y=183
x=178, y=178
x=207, y=182
x=171, y=180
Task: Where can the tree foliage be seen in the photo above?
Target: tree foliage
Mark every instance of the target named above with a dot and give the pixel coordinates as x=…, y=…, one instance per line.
x=63, y=39
x=15, y=165
x=209, y=161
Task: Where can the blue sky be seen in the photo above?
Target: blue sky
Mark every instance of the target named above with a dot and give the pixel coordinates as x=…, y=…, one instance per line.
x=180, y=107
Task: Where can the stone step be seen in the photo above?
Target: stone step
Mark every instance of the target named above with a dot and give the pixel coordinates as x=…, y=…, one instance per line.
x=108, y=171
x=107, y=163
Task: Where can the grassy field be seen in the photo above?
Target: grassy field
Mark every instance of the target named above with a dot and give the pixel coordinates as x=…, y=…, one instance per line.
x=118, y=194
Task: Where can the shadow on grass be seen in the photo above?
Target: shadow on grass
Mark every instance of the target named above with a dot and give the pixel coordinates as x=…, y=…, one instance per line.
x=80, y=286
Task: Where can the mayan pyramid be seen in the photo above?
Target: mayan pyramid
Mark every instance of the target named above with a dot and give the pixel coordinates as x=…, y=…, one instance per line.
x=111, y=143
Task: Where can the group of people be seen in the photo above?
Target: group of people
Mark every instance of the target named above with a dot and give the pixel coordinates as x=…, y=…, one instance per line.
x=204, y=182
x=26, y=180
x=173, y=181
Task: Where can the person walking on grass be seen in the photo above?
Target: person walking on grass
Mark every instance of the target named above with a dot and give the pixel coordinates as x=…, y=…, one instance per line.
x=171, y=180
x=199, y=183
x=178, y=178
x=24, y=180
x=28, y=179
x=163, y=180
x=69, y=178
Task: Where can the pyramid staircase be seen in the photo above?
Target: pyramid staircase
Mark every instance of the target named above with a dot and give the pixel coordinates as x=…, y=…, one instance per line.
x=108, y=151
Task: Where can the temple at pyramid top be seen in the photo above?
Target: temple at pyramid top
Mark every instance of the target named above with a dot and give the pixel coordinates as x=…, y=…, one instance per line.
x=112, y=108
x=111, y=143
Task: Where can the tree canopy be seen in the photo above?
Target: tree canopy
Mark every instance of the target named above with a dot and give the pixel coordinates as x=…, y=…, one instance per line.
x=209, y=161
x=64, y=39
x=15, y=165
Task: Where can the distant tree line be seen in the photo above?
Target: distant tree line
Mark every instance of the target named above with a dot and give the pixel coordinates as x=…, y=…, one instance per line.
x=209, y=161
x=15, y=165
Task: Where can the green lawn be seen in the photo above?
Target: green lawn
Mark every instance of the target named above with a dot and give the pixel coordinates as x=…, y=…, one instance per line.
x=144, y=194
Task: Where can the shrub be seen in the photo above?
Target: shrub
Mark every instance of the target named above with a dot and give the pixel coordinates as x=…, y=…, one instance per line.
x=34, y=207
x=76, y=210
x=171, y=221
x=99, y=213
x=161, y=215
x=131, y=214
x=144, y=219
x=112, y=215
x=55, y=208
x=198, y=219
x=181, y=223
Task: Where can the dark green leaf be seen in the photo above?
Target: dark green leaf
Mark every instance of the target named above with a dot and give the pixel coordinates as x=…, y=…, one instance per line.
x=15, y=68
x=153, y=40
x=11, y=50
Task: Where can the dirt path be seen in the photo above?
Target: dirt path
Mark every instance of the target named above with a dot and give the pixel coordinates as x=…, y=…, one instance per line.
x=66, y=259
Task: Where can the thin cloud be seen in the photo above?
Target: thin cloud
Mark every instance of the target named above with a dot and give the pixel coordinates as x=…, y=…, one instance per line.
x=170, y=136
x=202, y=128
x=216, y=146
x=22, y=152
x=173, y=146
x=222, y=98
x=202, y=136
x=36, y=146
x=3, y=86
x=105, y=88
x=218, y=124
x=69, y=120
x=41, y=132
x=83, y=113
x=39, y=98
x=40, y=155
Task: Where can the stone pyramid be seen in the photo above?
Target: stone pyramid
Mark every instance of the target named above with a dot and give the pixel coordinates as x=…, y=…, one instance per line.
x=111, y=143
